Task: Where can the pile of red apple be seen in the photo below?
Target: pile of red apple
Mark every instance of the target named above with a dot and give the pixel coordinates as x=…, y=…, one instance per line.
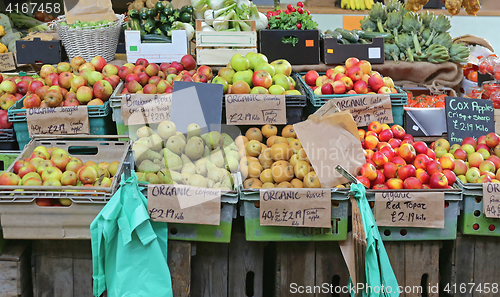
x=69, y=84
x=356, y=77
x=472, y=161
x=151, y=78
x=12, y=88
x=52, y=166
x=395, y=161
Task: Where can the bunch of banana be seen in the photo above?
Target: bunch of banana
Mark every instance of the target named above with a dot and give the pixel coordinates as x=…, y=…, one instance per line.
x=356, y=4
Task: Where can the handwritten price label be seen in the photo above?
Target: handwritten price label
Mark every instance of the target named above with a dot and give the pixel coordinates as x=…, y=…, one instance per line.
x=7, y=62
x=184, y=204
x=368, y=108
x=296, y=207
x=138, y=109
x=491, y=200
x=255, y=109
x=410, y=209
x=58, y=120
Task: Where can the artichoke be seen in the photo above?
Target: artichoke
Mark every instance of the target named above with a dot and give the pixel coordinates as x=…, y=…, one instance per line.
x=459, y=53
x=443, y=39
x=405, y=44
x=393, y=5
x=391, y=51
x=367, y=25
x=393, y=23
x=378, y=15
x=412, y=24
x=437, y=53
x=439, y=24
x=427, y=18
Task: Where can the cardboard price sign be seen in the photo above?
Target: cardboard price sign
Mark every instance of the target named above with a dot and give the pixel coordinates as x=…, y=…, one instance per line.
x=468, y=117
x=7, y=62
x=491, y=200
x=410, y=209
x=184, y=204
x=139, y=109
x=255, y=109
x=58, y=120
x=367, y=108
x=296, y=207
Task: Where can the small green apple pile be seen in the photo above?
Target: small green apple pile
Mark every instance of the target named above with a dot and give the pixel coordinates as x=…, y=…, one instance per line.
x=55, y=167
x=252, y=74
x=71, y=84
x=473, y=161
x=170, y=157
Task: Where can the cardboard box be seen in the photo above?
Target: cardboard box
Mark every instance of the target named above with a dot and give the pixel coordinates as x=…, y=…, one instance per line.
x=334, y=53
x=304, y=52
x=40, y=52
x=155, y=52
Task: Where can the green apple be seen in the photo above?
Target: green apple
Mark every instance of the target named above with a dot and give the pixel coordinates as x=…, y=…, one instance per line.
x=227, y=74
x=245, y=76
x=259, y=90
x=220, y=80
x=239, y=63
x=267, y=67
x=282, y=66
x=255, y=59
x=294, y=84
x=292, y=92
x=282, y=80
x=276, y=90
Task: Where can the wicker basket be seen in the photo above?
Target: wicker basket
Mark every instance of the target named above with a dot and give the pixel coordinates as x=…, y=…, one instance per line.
x=91, y=41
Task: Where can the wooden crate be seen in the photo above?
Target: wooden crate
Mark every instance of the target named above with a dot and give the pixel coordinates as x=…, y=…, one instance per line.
x=471, y=259
x=315, y=264
x=226, y=270
x=497, y=121
x=217, y=48
x=15, y=270
x=63, y=268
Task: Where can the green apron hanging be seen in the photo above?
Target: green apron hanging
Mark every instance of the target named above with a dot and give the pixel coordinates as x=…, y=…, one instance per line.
x=378, y=268
x=129, y=251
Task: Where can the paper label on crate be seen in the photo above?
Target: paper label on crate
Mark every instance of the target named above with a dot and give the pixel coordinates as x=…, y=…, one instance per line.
x=255, y=109
x=65, y=120
x=296, y=207
x=139, y=109
x=7, y=62
x=184, y=204
x=367, y=108
x=410, y=209
x=491, y=200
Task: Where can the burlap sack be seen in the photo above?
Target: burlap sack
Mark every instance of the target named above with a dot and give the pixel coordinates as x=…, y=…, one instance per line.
x=446, y=74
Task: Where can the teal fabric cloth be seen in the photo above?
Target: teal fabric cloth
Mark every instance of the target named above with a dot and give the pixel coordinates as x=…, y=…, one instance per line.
x=129, y=251
x=380, y=278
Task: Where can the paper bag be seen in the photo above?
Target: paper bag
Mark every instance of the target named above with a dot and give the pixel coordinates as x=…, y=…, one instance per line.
x=88, y=10
x=331, y=140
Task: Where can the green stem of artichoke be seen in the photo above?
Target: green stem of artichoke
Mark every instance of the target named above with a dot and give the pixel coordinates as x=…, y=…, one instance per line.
x=380, y=26
x=418, y=49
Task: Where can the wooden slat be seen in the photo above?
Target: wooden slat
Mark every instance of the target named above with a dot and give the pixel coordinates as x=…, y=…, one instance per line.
x=246, y=258
x=210, y=268
x=464, y=261
x=422, y=258
x=486, y=264
x=396, y=252
x=330, y=267
x=15, y=270
x=179, y=263
x=219, y=56
x=294, y=264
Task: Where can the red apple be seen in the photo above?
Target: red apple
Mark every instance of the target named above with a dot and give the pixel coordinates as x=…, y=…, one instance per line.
x=398, y=131
x=22, y=87
x=412, y=183
x=395, y=184
x=32, y=101
x=434, y=167
x=311, y=77
x=123, y=72
x=469, y=140
x=394, y=142
x=262, y=78
x=102, y=90
x=364, y=181
x=450, y=176
x=142, y=62
x=492, y=140
x=369, y=171
x=98, y=62
x=406, y=171
x=188, y=62
x=149, y=88
x=360, y=87
x=376, y=82
x=421, y=161
x=420, y=147
x=338, y=87
x=389, y=152
x=327, y=89
x=390, y=170
x=152, y=69
x=379, y=180
x=423, y=176
x=351, y=62
x=164, y=66
x=208, y=71
x=178, y=67
x=354, y=73
x=143, y=78
x=438, y=181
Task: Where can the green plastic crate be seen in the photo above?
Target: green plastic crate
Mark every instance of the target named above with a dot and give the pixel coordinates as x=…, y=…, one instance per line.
x=99, y=121
x=452, y=199
x=255, y=232
x=472, y=220
x=398, y=101
x=7, y=158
